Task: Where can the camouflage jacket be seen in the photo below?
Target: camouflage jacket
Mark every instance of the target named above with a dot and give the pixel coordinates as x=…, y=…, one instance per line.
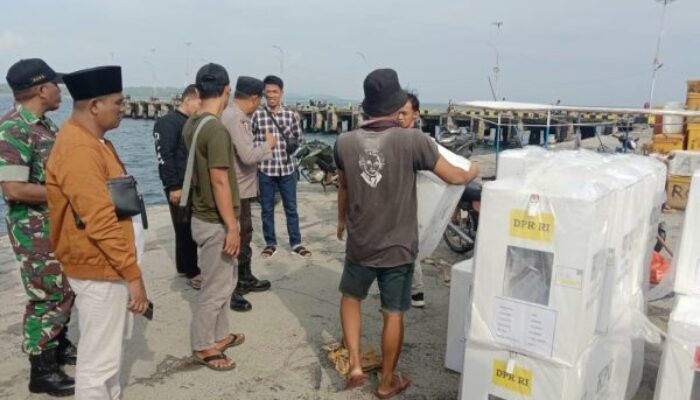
x=25, y=143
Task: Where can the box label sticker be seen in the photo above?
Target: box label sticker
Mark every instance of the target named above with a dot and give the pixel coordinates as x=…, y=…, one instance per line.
x=524, y=326
x=520, y=381
x=539, y=227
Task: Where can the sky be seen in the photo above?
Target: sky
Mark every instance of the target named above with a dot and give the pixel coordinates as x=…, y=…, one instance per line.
x=582, y=52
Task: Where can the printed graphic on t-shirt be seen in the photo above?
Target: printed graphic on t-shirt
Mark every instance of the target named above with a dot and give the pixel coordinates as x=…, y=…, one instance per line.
x=372, y=163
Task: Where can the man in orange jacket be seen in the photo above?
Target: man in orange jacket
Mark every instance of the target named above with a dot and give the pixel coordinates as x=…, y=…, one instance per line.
x=96, y=248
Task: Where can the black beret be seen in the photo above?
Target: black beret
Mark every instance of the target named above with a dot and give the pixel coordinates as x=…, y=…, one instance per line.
x=250, y=86
x=94, y=82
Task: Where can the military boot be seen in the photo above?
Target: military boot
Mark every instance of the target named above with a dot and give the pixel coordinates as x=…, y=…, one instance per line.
x=239, y=303
x=67, y=353
x=47, y=377
x=250, y=283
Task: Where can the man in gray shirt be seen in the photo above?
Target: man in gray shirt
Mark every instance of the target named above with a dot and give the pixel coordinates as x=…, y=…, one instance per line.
x=377, y=167
x=236, y=118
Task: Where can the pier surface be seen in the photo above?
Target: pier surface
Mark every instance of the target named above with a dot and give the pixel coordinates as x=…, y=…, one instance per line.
x=282, y=357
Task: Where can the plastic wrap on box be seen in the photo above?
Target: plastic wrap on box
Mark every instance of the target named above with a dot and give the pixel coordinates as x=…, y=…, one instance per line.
x=540, y=262
x=600, y=372
x=516, y=162
x=679, y=374
x=458, y=315
x=437, y=201
x=683, y=162
x=687, y=261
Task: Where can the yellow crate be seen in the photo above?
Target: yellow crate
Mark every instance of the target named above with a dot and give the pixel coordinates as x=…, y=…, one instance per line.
x=694, y=86
x=677, y=188
x=667, y=143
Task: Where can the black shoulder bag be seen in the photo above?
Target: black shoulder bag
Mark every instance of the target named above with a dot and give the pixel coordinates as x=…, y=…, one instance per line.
x=292, y=143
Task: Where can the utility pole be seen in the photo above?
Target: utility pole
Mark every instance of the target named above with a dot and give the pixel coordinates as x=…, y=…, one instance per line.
x=187, y=67
x=155, y=77
x=657, y=64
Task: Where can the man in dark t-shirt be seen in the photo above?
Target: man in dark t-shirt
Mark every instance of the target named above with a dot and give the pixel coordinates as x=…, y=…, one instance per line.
x=377, y=167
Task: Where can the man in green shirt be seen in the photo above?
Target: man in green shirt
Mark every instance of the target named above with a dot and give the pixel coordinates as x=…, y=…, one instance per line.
x=215, y=206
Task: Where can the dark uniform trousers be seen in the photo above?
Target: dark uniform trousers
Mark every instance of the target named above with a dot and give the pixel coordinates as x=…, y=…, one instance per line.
x=185, y=247
x=246, y=224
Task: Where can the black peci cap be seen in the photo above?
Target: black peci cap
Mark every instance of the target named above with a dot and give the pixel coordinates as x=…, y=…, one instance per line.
x=31, y=72
x=249, y=86
x=383, y=93
x=94, y=82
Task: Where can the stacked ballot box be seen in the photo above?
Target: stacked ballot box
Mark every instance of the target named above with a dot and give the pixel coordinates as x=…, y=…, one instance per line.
x=687, y=262
x=458, y=316
x=679, y=373
x=437, y=201
x=560, y=268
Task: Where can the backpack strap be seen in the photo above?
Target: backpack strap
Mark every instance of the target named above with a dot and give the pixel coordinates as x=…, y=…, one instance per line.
x=187, y=182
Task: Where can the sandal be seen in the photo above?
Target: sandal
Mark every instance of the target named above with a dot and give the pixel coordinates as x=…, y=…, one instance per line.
x=402, y=384
x=195, y=283
x=301, y=251
x=268, y=251
x=354, y=381
x=237, y=339
x=207, y=362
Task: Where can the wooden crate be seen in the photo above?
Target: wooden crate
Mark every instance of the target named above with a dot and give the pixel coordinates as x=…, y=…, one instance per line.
x=693, y=101
x=677, y=188
x=667, y=143
x=694, y=86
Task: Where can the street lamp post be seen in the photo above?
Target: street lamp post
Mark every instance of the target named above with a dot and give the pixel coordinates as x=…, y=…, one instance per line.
x=187, y=67
x=497, y=67
x=657, y=64
x=281, y=58
x=155, y=77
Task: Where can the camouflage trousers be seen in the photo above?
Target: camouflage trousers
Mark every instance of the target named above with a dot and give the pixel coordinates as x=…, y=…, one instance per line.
x=50, y=297
x=50, y=302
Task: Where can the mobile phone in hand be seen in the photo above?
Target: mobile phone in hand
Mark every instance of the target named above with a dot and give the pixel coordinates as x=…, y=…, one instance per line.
x=149, y=311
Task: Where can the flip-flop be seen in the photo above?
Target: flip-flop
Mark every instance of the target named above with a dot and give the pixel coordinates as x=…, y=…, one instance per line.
x=354, y=381
x=403, y=384
x=238, y=339
x=268, y=251
x=206, y=361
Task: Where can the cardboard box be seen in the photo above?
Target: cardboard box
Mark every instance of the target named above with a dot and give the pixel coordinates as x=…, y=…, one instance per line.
x=667, y=143
x=437, y=202
x=679, y=374
x=540, y=263
x=601, y=372
x=677, y=192
x=459, y=314
x=687, y=260
x=693, y=136
x=684, y=163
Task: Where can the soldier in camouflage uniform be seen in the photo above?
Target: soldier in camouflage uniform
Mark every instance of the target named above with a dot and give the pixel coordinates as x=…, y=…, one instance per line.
x=26, y=137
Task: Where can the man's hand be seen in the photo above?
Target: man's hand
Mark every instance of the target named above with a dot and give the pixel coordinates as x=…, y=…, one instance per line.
x=174, y=196
x=341, y=230
x=232, y=244
x=270, y=140
x=138, y=300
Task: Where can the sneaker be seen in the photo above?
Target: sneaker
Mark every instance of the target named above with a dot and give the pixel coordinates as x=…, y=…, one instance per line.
x=417, y=300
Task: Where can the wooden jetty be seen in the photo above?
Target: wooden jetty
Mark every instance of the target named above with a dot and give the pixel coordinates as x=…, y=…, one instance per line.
x=321, y=117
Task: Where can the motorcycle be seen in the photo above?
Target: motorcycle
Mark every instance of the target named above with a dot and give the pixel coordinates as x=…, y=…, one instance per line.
x=457, y=140
x=316, y=164
x=460, y=234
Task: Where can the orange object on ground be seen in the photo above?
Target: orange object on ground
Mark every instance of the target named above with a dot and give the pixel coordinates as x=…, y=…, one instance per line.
x=659, y=268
